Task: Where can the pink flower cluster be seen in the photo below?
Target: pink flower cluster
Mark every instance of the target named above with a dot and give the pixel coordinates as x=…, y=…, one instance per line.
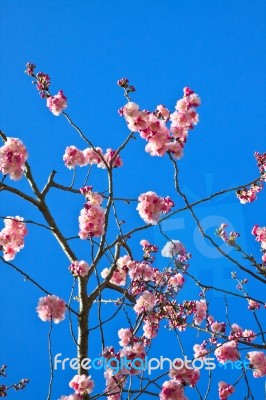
x=79, y=268
x=151, y=207
x=225, y=390
x=257, y=361
x=227, y=352
x=260, y=234
x=261, y=162
x=237, y=332
x=119, y=276
x=91, y=219
x=137, y=354
x=185, y=376
x=125, y=336
x=82, y=384
x=172, y=390
x=201, y=312
x=231, y=239
x=152, y=126
x=253, y=305
x=12, y=237
x=175, y=249
x=114, y=383
x=70, y=397
x=74, y=157
x=57, y=103
x=13, y=156
x=247, y=195
x=42, y=84
x=51, y=308
x=145, y=302
x=216, y=327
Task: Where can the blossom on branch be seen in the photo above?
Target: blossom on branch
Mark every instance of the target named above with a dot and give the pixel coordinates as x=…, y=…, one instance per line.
x=225, y=390
x=79, y=268
x=57, y=103
x=82, y=384
x=91, y=219
x=257, y=361
x=51, y=308
x=12, y=237
x=13, y=156
x=151, y=207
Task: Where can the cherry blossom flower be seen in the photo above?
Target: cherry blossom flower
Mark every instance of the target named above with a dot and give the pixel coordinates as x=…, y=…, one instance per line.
x=126, y=336
x=172, y=390
x=175, y=249
x=57, y=103
x=201, y=312
x=12, y=237
x=13, y=156
x=151, y=207
x=145, y=302
x=73, y=157
x=82, y=384
x=91, y=219
x=227, y=352
x=79, y=268
x=253, y=305
x=247, y=195
x=51, y=308
x=260, y=234
x=70, y=397
x=225, y=390
x=185, y=376
x=257, y=361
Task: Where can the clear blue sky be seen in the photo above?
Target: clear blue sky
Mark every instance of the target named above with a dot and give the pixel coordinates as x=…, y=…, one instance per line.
x=217, y=48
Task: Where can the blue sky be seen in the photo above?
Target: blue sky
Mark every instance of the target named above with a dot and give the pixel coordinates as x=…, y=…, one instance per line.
x=215, y=47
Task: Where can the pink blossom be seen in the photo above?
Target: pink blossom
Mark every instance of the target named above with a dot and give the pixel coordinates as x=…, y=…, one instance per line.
x=260, y=234
x=216, y=327
x=51, y=308
x=137, y=354
x=70, y=397
x=185, y=376
x=13, y=156
x=73, y=157
x=175, y=248
x=199, y=351
x=261, y=162
x=176, y=280
x=79, y=268
x=162, y=112
x=225, y=390
x=247, y=195
x=114, y=383
x=57, y=103
x=82, y=384
x=12, y=237
x=151, y=207
x=120, y=273
x=172, y=390
x=257, y=361
x=201, y=312
x=151, y=326
x=141, y=271
x=253, y=305
x=92, y=217
x=111, y=160
x=126, y=336
x=93, y=156
x=227, y=352
x=145, y=302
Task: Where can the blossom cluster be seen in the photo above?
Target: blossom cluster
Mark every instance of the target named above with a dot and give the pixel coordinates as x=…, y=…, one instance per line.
x=152, y=126
x=79, y=268
x=260, y=234
x=13, y=156
x=51, y=308
x=74, y=157
x=247, y=195
x=12, y=237
x=151, y=207
x=186, y=376
x=257, y=361
x=81, y=384
x=225, y=390
x=172, y=390
x=175, y=249
x=56, y=103
x=231, y=239
x=91, y=219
